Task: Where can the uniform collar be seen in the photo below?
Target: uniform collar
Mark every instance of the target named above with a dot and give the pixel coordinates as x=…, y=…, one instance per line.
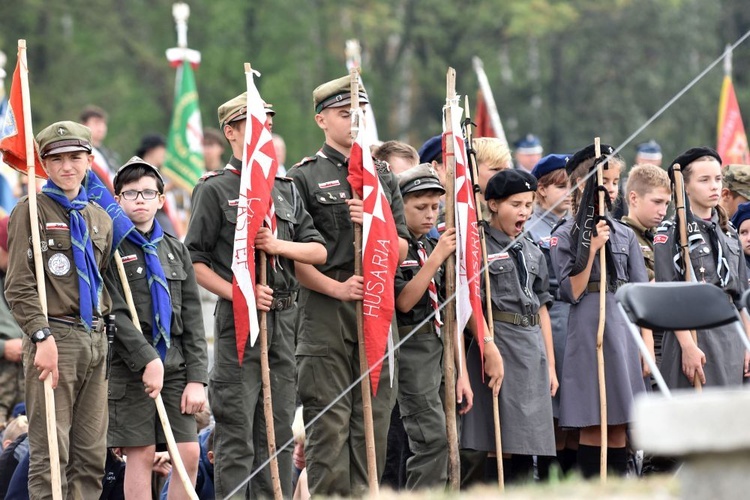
x=634, y=224
x=235, y=163
x=499, y=236
x=334, y=156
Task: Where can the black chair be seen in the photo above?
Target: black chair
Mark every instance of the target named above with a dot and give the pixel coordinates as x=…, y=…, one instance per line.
x=677, y=306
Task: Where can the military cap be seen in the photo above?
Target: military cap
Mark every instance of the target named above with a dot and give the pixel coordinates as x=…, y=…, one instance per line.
x=530, y=144
x=135, y=161
x=419, y=178
x=548, y=164
x=586, y=154
x=336, y=93
x=64, y=137
x=649, y=150
x=235, y=109
x=741, y=215
x=509, y=182
x=737, y=179
x=432, y=150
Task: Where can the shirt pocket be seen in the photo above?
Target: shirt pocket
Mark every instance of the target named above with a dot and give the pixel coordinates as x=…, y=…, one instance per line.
x=230, y=214
x=176, y=276
x=100, y=244
x=135, y=271
x=620, y=256
x=285, y=219
x=335, y=211
x=503, y=279
x=58, y=255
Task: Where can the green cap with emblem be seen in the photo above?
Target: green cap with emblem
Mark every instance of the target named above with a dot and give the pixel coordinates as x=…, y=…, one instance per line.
x=737, y=179
x=235, y=109
x=137, y=161
x=419, y=178
x=64, y=137
x=336, y=93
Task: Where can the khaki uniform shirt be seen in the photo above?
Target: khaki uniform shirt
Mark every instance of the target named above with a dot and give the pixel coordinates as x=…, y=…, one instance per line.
x=61, y=279
x=645, y=239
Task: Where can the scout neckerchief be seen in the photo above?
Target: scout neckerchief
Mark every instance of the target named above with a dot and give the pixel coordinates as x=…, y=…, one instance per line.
x=89, y=279
x=161, y=302
x=516, y=250
x=431, y=288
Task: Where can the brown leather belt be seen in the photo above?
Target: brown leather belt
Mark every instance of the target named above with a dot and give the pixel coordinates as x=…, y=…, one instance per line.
x=515, y=318
x=594, y=286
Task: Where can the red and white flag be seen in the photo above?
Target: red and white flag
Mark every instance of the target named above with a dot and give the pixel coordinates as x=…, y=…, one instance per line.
x=255, y=206
x=468, y=249
x=379, y=253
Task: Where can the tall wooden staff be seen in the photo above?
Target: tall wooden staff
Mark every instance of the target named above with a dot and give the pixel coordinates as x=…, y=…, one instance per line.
x=472, y=158
x=679, y=194
x=49, y=393
x=600, y=331
x=449, y=328
x=265, y=371
x=174, y=452
x=372, y=468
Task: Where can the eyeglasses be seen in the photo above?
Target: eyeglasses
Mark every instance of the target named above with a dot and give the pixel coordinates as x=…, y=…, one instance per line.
x=146, y=194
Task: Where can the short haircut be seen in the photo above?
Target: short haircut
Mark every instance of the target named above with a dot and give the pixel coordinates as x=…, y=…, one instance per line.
x=492, y=151
x=213, y=136
x=645, y=178
x=420, y=194
x=92, y=111
x=396, y=148
x=135, y=172
x=16, y=427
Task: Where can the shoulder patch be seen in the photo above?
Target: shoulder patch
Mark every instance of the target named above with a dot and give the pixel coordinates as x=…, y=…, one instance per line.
x=213, y=173
x=660, y=239
x=553, y=241
x=306, y=159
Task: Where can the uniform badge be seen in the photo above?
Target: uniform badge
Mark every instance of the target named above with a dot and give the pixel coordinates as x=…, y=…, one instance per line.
x=30, y=254
x=129, y=258
x=553, y=241
x=410, y=263
x=59, y=264
x=233, y=203
x=660, y=239
x=497, y=256
x=171, y=257
x=328, y=184
x=96, y=229
x=139, y=270
x=43, y=245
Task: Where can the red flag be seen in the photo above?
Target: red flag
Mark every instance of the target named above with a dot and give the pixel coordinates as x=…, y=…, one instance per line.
x=12, y=134
x=468, y=249
x=379, y=253
x=255, y=204
x=99, y=166
x=482, y=118
x=732, y=140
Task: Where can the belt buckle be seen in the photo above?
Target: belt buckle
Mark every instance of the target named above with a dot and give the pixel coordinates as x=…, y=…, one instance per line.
x=525, y=321
x=277, y=304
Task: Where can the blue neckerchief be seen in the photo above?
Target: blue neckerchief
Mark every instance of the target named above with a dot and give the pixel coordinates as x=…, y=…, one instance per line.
x=161, y=302
x=89, y=279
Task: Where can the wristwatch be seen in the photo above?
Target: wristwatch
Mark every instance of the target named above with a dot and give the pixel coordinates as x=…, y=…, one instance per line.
x=40, y=335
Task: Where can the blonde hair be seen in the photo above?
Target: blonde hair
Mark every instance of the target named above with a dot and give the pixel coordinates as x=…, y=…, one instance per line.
x=492, y=151
x=644, y=178
x=16, y=427
x=298, y=426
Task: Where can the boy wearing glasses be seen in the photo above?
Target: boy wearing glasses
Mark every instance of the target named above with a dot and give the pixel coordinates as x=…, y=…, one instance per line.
x=170, y=355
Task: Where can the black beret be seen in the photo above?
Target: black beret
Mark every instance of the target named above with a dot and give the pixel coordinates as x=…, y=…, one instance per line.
x=586, y=154
x=509, y=182
x=693, y=154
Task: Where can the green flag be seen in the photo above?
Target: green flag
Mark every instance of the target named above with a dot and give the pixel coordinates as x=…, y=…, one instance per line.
x=184, y=163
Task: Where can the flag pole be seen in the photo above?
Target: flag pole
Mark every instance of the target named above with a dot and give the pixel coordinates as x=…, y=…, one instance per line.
x=49, y=393
x=174, y=453
x=372, y=469
x=472, y=158
x=449, y=367
x=484, y=86
x=265, y=371
x=600, y=331
x=681, y=211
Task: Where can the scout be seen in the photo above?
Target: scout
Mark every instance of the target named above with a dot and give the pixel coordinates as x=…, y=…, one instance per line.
x=234, y=390
x=169, y=357
x=574, y=257
x=327, y=354
x=418, y=295
x=519, y=289
x=736, y=187
x=69, y=345
x=741, y=224
x=719, y=358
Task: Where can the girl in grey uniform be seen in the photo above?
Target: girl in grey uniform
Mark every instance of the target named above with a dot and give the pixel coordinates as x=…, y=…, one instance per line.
x=519, y=288
x=553, y=201
x=719, y=358
x=574, y=257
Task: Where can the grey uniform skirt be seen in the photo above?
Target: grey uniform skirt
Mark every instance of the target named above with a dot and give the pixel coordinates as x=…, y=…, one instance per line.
x=525, y=403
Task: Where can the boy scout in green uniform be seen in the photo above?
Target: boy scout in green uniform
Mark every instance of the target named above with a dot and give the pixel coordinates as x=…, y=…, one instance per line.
x=170, y=355
x=234, y=389
x=69, y=344
x=327, y=352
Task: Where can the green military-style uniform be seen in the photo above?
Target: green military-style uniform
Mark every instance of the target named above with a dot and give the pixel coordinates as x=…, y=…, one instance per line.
x=234, y=390
x=132, y=414
x=645, y=239
x=11, y=374
x=327, y=352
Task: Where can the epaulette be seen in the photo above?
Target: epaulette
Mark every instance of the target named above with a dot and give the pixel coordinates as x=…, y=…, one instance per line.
x=382, y=166
x=562, y=221
x=528, y=238
x=213, y=173
x=664, y=226
x=306, y=159
x=286, y=179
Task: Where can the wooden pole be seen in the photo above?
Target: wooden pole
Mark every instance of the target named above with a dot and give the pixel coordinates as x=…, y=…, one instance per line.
x=488, y=296
x=265, y=371
x=679, y=194
x=49, y=393
x=600, y=331
x=174, y=452
x=449, y=327
x=372, y=466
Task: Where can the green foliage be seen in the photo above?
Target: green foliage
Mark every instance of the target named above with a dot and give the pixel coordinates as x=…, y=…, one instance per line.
x=565, y=69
